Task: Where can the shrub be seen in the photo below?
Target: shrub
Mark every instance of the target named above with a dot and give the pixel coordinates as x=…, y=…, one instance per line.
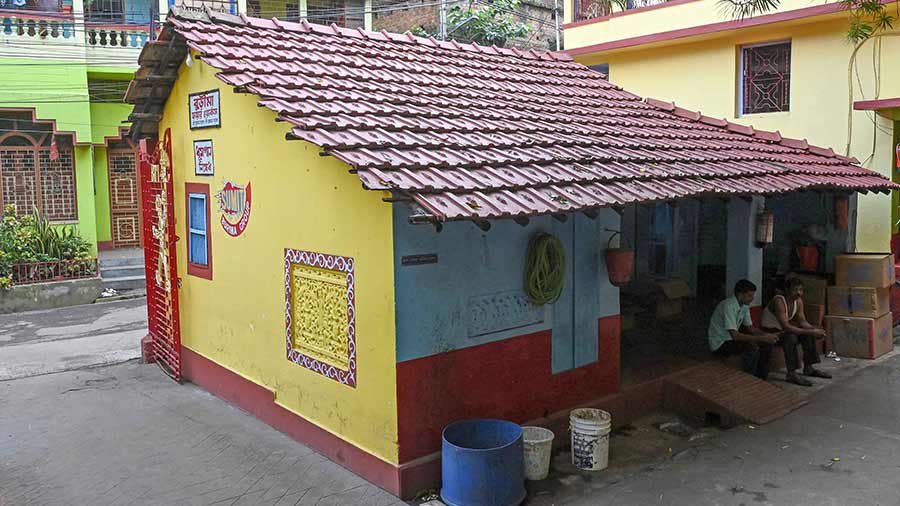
x=31, y=238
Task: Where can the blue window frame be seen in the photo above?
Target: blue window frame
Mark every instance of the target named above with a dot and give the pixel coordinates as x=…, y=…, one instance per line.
x=198, y=229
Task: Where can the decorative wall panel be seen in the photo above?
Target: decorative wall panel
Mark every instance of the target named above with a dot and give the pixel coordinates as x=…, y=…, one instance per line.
x=497, y=312
x=320, y=316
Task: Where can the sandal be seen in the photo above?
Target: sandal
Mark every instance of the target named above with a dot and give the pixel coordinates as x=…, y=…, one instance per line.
x=815, y=373
x=797, y=380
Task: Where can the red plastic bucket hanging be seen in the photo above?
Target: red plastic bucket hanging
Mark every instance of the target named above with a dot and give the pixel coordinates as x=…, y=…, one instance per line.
x=809, y=258
x=841, y=212
x=619, y=263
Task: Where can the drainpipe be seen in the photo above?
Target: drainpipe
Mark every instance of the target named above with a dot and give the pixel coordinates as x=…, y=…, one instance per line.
x=443, y=20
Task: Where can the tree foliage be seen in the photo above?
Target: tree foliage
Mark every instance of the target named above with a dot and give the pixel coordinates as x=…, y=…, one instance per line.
x=493, y=23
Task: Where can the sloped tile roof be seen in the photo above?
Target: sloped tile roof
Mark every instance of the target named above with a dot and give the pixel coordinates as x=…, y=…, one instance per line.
x=473, y=132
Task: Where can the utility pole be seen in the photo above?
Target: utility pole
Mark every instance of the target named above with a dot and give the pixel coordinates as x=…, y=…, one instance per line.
x=556, y=21
x=443, y=20
x=154, y=19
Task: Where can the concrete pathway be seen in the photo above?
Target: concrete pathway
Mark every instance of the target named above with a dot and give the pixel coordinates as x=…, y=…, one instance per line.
x=43, y=342
x=129, y=435
x=843, y=448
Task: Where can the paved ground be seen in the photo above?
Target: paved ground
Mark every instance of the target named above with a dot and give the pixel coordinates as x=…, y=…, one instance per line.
x=128, y=435
x=42, y=342
x=843, y=448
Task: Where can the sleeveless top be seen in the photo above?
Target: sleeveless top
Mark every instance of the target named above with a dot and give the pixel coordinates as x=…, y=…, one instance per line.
x=770, y=321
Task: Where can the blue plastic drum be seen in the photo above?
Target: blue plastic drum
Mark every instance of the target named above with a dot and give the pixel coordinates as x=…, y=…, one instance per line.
x=483, y=464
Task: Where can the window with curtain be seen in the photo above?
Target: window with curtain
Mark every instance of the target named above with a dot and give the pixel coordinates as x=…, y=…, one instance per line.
x=198, y=226
x=199, y=241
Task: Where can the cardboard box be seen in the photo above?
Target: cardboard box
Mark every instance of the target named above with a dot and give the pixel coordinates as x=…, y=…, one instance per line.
x=861, y=301
x=814, y=288
x=669, y=303
x=815, y=313
x=864, y=269
x=860, y=337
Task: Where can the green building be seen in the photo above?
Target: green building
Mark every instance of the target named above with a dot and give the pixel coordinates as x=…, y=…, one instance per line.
x=64, y=68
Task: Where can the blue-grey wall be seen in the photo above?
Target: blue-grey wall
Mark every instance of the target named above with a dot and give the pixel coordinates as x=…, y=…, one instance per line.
x=474, y=293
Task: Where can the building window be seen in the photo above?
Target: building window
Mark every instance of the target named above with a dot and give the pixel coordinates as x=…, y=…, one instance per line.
x=106, y=90
x=765, y=78
x=602, y=68
x=37, y=169
x=105, y=11
x=320, y=313
x=199, y=242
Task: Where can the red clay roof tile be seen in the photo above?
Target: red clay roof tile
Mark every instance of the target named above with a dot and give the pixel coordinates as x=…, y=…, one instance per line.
x=476, y=132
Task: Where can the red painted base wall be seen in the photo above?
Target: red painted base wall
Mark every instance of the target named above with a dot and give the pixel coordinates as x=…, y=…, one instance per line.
x=509, y=379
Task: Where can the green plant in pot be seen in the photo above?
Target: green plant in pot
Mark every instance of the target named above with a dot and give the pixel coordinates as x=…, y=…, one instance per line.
x=619, y=261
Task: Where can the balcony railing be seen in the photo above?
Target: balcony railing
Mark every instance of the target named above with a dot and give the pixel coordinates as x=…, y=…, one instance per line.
x=112, y=35
x=59, y=270
x=227, y=6
x=592, y=9
x=35, y=25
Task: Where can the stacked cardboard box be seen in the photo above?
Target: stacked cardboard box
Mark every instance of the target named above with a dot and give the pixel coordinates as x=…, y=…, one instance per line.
x=859, y=317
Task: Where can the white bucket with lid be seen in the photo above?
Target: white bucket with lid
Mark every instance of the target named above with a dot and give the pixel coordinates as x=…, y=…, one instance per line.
x=538, y=448
x=590, y=438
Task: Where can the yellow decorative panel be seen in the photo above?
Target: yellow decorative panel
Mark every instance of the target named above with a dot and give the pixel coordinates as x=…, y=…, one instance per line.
x=320, y=312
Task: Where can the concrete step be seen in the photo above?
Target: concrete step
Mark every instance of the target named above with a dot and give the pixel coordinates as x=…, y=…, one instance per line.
x=121, y=261
x=125, y=283
x=121, y=271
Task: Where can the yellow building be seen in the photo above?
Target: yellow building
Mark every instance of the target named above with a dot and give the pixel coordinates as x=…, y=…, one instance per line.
x=792, y=70
x=340, y=224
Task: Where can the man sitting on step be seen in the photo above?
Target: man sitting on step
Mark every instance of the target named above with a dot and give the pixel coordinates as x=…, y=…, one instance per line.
x=731, y=332
x=784, y=316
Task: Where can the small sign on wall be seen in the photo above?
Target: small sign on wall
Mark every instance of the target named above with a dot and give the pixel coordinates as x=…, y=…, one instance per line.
x=204, y=109
x=428, y=258
x=203, y=158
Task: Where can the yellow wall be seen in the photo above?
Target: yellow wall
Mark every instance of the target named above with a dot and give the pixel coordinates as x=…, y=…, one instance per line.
x=663, y=19
x=703, y=75
x=302, y=201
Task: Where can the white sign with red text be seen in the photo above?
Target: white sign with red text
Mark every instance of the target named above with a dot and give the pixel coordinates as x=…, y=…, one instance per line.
x=203, y=158
x=204, y=108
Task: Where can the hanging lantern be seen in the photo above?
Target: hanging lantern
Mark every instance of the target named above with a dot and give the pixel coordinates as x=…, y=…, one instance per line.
x=841, y=212
x=765, y=228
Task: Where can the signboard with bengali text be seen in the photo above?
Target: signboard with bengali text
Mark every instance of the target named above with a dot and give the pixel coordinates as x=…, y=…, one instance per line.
x=203, y=158
x=204, y=109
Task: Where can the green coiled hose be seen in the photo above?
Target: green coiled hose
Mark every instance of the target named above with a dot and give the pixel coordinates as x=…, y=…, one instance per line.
x=545, y=269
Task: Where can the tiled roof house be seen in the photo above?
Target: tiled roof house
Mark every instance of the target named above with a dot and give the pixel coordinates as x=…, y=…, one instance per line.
x=385, y=132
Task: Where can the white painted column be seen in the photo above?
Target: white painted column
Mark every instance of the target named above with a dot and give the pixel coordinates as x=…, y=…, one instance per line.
x=80, y=31
x=304, y=9
x=163, y=10
x=242, y=6
x=745, y=259
x=368, y=15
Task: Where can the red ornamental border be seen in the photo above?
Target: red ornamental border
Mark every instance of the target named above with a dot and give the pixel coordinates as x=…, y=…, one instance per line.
x=332, y=263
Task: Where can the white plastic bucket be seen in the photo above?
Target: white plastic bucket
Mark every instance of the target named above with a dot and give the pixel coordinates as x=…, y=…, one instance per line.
x=538, y=446
x=590, y=438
